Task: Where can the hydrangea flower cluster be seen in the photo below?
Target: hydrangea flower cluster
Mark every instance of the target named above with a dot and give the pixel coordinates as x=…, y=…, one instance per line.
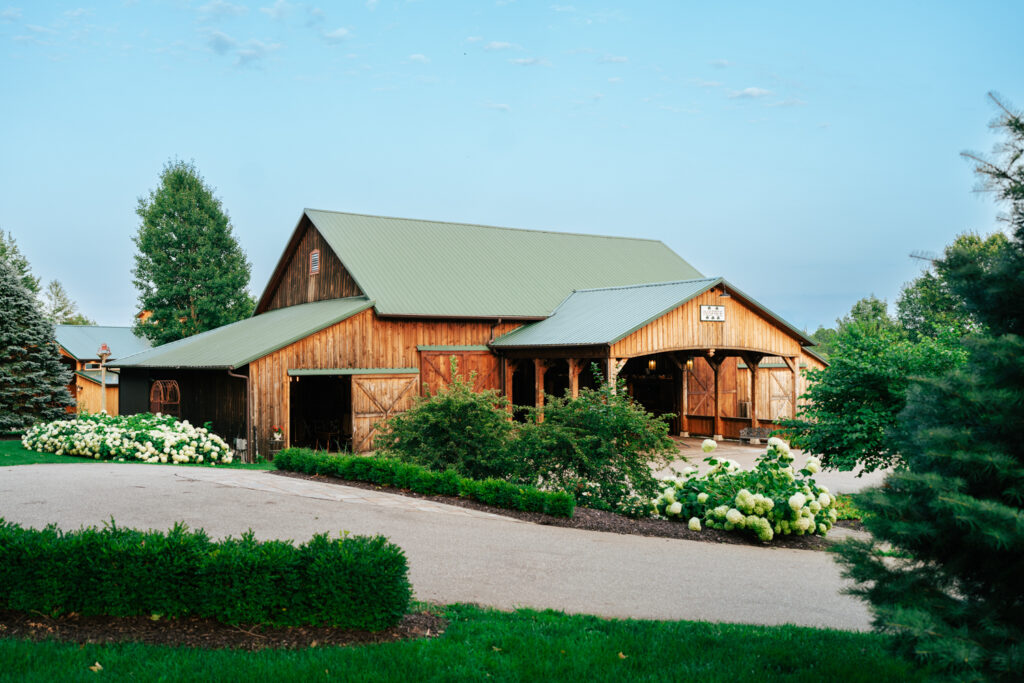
x=770, y=499
x=144, y=438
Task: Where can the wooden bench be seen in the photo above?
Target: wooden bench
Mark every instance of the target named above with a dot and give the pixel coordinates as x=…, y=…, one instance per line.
x=754, y=436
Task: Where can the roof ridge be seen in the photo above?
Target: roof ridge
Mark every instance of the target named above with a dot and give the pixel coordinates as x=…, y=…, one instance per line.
x=489, y=227
x=649, y=284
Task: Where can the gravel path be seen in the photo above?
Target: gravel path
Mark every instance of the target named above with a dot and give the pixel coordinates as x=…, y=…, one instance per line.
x=455, y=554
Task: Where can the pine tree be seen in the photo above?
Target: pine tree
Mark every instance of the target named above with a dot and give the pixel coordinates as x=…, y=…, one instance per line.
x=33, y=381
x=957, y=513
x=189, y=269
x=10, y=254
x=58, y=307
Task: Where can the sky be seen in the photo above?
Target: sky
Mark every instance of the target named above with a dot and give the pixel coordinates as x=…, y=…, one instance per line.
x=801, y=150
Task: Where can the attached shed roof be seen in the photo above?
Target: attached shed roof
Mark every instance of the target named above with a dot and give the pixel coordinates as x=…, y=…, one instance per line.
x=95, y=376
x=82, y=341
x=592, y=317
x=238, y=344
x=428, y=268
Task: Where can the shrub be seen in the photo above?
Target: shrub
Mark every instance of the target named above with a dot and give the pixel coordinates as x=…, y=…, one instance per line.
x=393, y=472
x=770, y=499
x=350, y=582
x=455, y=428
x=144, y=437
x=598, y=447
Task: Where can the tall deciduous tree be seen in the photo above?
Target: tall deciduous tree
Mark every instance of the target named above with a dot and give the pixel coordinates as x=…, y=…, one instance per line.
x=957, y=511
x=58, y=307
x=189, y=270
x=33, y=381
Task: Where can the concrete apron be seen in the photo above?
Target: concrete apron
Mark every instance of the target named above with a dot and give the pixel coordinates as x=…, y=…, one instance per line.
x=455, y=554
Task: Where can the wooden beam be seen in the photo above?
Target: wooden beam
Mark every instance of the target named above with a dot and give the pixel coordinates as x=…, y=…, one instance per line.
x=680, y=361
x=753, y=361
x=615, y=366
x=510, y=372
x=575, y=367
x=540, y=366
x=716, y=364
x=794, y=365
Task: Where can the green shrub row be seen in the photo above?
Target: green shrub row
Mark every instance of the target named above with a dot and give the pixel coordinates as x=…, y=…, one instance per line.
x=351, y=582
x=393, y=472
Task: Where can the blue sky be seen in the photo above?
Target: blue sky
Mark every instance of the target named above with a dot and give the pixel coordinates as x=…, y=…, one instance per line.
x=801, y=150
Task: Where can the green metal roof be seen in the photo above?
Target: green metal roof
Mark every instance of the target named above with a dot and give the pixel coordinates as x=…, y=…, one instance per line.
x=453, y=347
x=592, y=317
x=240, y=343
x=331, y=372
x=427, y=268
x=94, y=376
x=82, y=341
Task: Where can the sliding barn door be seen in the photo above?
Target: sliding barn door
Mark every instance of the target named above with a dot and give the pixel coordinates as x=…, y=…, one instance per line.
x=376, y=398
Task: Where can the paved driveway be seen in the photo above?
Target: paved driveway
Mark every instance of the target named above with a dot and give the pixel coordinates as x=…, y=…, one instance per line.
x=455, y=554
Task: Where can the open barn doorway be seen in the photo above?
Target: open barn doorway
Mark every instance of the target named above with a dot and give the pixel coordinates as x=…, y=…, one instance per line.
x=321, y=412
x=653, y=382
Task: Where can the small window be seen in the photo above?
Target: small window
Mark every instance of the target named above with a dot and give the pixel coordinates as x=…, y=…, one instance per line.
x=314, y=262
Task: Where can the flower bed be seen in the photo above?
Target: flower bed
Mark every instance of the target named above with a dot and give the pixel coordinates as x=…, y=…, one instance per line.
x=770, y=499
x=145, y=437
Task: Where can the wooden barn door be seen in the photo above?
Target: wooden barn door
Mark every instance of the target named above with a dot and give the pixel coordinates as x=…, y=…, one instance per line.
x=376, y=398
x=701, y=388
x=436, y=369
x=780, y=389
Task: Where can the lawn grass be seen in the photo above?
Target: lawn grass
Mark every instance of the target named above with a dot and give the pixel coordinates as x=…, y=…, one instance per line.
x=485, y=644
x=13, y=453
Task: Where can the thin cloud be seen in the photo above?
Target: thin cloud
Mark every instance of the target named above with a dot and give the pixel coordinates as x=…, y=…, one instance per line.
x=749, y=94
x=371, y=5
x=221, y=43
x=497, y=106
x=278, y=11
x=700, y=83
x=39, y=29
x=721, y=63
x=612, y=59
x=219, y=9
x=253, y=52
x=615, y=79
x=419, y=59
x=563, y=8
x=11, y=14
x=314, y=16
x=77, y=13
x=473, y=39
x=499, y=45
x=530, y=61
x=337, y=35
x=791, y=102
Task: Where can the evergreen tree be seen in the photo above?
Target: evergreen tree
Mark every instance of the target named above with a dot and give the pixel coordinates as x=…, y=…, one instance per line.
x=33, y=381
x=189, y=269
x=957, y=512
x=58, y=307
x=10, y=254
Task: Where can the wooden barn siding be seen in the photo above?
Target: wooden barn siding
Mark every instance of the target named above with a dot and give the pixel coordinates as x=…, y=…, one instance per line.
x=362, y=341
x=90, y=398
x=297, y=286
x=743, y=329
x=775, y=385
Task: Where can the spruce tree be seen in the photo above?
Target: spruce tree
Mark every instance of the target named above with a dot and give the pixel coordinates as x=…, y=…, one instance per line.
x=10, y=253
x=189, y=270
x=33, y=381
x=954, y=596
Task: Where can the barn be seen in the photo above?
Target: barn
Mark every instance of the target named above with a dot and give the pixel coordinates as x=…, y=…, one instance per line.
x=79, y=351
x=364, y=313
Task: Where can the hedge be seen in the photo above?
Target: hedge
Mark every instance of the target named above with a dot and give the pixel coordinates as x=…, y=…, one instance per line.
x=392, y=472
x=352, y=582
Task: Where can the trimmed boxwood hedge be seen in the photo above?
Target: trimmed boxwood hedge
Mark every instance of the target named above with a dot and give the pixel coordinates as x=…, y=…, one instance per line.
x=392, y=472
x=353, y=582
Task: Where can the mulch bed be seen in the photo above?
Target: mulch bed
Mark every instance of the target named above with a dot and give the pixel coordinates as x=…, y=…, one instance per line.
x=594, y=520
x=204, y=633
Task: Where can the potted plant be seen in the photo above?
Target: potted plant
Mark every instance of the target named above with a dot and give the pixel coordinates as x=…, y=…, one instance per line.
x=277, y=433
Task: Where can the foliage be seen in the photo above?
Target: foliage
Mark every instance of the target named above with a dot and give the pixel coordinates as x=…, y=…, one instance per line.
x=600, y=447
x=957, y=511
x=144, y=437
x=854, y=403
x=455, y=428
x=392, y=472
x=770, y=499
x=520, y=645
x=824, y=337
x=33, y=381
x=350, y=582
x=10, y=254
x=58, y=307
x=846, y=508
x=189, y=269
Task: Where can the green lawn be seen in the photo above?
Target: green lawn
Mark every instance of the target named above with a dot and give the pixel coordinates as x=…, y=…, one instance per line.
x=13, y=453
x=484, y=644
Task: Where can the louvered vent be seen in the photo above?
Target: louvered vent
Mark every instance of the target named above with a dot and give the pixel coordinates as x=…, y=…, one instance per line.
x=314, y=262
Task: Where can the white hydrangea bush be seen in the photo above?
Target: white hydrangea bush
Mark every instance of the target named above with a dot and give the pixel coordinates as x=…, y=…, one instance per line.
x=132, y=438
x=771, y=499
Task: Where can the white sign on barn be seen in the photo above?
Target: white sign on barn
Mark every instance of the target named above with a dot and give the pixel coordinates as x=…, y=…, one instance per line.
x=714, y=314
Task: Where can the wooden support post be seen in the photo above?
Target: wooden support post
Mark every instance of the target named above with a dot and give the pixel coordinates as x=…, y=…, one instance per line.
x=510, y=372
x=716, y=364
x=575, y=367
x=540, y=366
x=753, y=361
x=794, y=365
x=615, y=365
x=680, y=361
